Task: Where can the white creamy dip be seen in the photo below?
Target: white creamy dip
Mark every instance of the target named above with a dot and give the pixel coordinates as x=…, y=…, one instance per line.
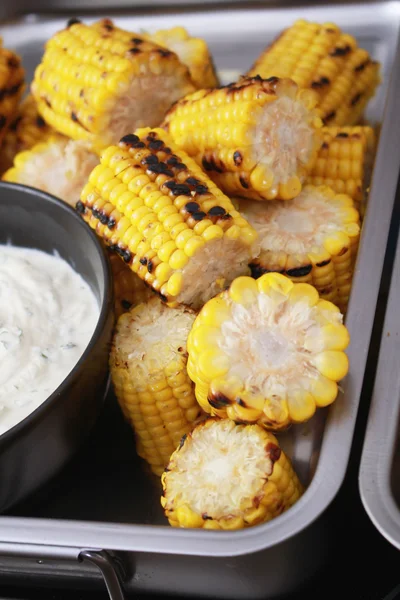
x=48, y=314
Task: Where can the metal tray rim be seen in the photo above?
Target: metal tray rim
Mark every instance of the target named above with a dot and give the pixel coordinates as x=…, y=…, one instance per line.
x=383, y=419
x=15, y=533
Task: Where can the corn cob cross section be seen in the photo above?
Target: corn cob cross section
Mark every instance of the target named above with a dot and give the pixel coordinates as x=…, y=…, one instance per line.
x=96, y=82
x=228, y=476
x=148, y=370
x=27, y=129
x=323, y=58
x=255, y=138
x=192, y=52
x=311, y=239
x=344, y=162
x=267, y=351
x=166, y=219
x=57, y=165
x=12, y=78
x=129, y=289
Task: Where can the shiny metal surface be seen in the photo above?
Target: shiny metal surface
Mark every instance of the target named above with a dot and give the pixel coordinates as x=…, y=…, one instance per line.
x=379, y=478
x=122, y=511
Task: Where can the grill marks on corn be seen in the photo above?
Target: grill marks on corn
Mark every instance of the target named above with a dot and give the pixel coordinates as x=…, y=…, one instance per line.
x=324, y=58
x=12, y=76
x=166, y=218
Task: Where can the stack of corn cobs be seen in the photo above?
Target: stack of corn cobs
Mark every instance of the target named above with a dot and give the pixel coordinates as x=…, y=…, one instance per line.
x=232, y=217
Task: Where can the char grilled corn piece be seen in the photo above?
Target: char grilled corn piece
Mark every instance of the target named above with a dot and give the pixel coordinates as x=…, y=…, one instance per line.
x=148, y=369
x=267, y=351
x=255, y=138
x=12, y=83
x=58, y=166
x=155, y=207
x=27, y=129
x=323, y=58
x=311, y=239
x=228, y=476
x=192, y=52
x=345, y=162
x=129, y=289
x=96, y=82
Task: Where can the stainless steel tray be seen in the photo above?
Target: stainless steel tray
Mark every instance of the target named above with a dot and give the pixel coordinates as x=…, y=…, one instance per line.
x=114, y=506
x=379, y=477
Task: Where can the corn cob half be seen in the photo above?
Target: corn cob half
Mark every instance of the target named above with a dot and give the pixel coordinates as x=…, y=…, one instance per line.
x=148, y=370
x=129, y=289
x=311, y=239
x=166, y=219
x=12, y=77
x=228, y=476
x=345, y=162
x=267, y=351
x=254, y=138
x=323, y=58
x=192, y=52
x=58, y=166
x=27, y=129
x=96, y=82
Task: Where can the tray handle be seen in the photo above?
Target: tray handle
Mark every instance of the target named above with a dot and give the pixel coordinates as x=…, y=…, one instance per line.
x=105, y=563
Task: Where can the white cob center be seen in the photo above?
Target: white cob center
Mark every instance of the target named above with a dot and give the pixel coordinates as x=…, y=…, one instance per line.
x=266, y=344
x=211, y=269
x=294, y=226
x=284, y=137
x=220, y=470
x=61, y=168
x=152, y=337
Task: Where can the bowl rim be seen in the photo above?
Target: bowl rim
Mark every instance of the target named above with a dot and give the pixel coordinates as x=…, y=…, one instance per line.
x=105, y=307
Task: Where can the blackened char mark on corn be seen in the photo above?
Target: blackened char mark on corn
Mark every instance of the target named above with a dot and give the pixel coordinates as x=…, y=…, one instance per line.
x=177, y=189
x=299, y=271
x=182, y=441
x=209, y=164
x=129, y=139
x=323, y=263
x=361, y=66
x=192, y=207
x=330, y=116
x=111, y=223
x=273, y=451
x=143, y=261
x=150, y=266
x=73, y=21
x=321, y=82
x=237, y=158
x=243, y=182
x=160, y=169
x=340, y=51
x=205, y=516
x=218, y=400
x=342, y=134
x=356, y=99
x=80, y=207
x=257, y=270
x=199, y=215
x=325, y=146
x=164, y=52
x=134, y=50
x=137, y=41
x=10, y=91
x=240, y=402
x=40, y=122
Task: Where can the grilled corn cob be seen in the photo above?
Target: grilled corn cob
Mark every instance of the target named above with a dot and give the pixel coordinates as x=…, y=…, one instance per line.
x=311, y=239
x=323, y=58
x=58, y=166
x=27, y=129
x=12, y=76
x=267, y=351
x=254, y=138
x=192, y=52
x=148, y=370
x=228, y=476
x=129, y=289
x=96, y=82
x=345, y=161
x=166, y=219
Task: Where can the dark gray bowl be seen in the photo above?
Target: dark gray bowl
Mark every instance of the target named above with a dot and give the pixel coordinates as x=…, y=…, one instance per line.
x=37, y=447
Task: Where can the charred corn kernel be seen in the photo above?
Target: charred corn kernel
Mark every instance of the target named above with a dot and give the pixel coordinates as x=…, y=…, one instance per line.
x=312, y=239
x=192, y=52
x=27, y=129
x=148, y=365
x=56, y=165
x=228, y=476
x=12, y=76
x=182, y=265
x=129, y=289
x=320, y=57
x=97, y=82
x=267, y=355
x=255, y=138
x=345, y=162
